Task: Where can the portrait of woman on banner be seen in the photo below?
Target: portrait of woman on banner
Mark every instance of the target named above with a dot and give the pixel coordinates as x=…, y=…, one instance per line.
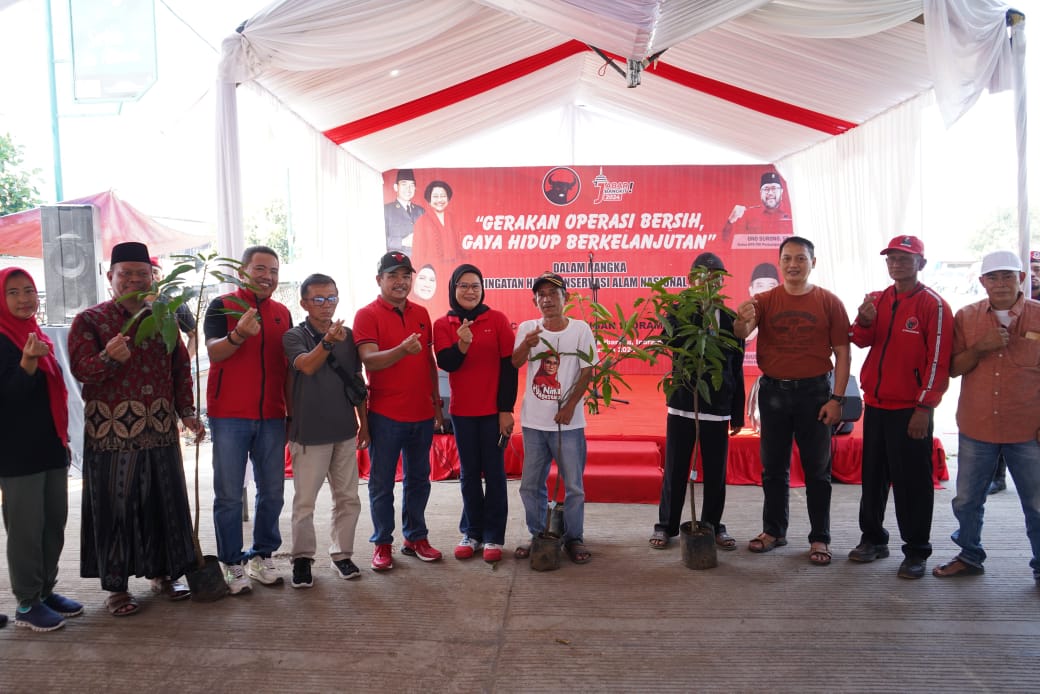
x=435, y=238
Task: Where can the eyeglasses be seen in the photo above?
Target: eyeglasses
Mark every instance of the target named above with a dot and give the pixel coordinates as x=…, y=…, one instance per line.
x=320, y=300
x=468, y=287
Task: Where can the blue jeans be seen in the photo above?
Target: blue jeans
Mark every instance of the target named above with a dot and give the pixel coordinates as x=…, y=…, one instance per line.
x=540, y=449
x=235, y=441
x=790, y=410
x=411, y=442
x=976, y=461
x=484, y=511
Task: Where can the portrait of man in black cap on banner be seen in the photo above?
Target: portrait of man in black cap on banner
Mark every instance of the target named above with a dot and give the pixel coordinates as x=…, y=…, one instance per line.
x=768, y=218
x=400, y=215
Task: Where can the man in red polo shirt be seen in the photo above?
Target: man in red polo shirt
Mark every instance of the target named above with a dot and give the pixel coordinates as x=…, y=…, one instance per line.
x=404, y=407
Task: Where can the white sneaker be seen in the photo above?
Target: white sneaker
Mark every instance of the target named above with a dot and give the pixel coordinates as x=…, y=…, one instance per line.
x=236, y=578
x=262, y=569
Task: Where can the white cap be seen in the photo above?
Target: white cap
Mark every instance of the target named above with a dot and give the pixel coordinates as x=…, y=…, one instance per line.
x=1001, y=260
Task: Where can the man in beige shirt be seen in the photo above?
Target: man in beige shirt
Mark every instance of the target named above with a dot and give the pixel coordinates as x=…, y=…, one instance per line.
x=996, y=348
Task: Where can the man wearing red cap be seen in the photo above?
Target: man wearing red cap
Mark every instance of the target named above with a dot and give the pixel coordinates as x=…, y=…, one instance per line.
x=909, y=330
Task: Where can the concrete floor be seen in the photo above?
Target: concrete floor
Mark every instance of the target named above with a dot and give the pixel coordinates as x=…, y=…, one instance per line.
x=634, y=619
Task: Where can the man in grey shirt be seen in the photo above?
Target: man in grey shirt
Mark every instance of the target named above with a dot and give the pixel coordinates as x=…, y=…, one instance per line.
x=325, y=427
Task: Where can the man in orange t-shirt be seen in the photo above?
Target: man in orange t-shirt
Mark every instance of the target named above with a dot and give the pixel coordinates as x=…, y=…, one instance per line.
x=800, y=326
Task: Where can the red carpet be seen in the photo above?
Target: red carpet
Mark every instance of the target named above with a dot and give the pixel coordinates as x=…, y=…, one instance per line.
x=626, y=452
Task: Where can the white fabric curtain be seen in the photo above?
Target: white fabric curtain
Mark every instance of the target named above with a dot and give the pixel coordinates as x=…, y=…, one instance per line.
x=850, y=196
x=968, y=50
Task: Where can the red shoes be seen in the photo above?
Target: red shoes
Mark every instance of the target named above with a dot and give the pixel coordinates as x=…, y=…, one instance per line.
x=382, y=559
x=420, y=548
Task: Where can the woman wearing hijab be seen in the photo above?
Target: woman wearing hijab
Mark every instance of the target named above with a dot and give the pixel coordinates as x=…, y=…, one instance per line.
x=34, y=424
x=474, y=344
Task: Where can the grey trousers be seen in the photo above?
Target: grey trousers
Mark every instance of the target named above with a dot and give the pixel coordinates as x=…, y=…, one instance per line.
x=35, y=509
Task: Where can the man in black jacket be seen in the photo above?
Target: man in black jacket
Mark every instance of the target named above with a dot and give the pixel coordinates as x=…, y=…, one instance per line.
x=721, y=416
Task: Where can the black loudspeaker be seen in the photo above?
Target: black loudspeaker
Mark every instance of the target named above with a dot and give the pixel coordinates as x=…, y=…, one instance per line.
x=71, y=260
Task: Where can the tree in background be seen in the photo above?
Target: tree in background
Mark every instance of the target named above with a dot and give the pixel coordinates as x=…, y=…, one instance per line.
x=17, y=189
x=271, y=228
x=1001, y=233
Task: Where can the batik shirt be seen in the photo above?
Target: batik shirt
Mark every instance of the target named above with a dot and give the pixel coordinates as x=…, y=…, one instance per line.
x=133, y=405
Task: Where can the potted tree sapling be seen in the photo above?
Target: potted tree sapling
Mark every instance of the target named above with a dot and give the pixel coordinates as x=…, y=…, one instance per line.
x=691, y=337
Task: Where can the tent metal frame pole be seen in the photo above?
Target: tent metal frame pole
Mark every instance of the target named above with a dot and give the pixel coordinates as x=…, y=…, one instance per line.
x=59, y=188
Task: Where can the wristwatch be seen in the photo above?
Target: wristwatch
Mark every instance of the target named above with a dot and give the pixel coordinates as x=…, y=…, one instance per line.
x=326, y=345
x=840, y=399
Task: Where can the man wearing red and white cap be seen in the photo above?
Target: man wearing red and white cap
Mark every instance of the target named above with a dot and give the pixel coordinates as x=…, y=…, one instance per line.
x=909, y=330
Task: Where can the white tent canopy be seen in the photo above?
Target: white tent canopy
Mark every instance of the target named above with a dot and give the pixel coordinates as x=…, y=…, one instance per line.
x=828, y=90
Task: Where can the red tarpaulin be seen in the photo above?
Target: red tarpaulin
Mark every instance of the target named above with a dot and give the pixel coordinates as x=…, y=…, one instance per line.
x=20, y=233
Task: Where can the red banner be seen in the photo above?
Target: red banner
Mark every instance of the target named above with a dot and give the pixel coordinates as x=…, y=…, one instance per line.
x=606, y=229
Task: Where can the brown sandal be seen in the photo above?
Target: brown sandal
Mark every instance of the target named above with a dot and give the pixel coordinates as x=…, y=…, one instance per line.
x=725, y=542
x=122, y=604
x=765, y=543
x=820, y=557
x=578, y=552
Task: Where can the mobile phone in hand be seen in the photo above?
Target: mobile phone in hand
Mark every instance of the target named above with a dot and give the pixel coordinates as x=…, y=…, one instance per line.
x=503, y=440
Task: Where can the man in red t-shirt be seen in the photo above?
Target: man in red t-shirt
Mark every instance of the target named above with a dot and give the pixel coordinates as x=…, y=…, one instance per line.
x=404, y=407
x=800, y=327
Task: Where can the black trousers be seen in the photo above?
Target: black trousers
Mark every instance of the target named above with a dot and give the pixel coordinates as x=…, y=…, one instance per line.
x=681, y=435
x=789, y=413
x=892, y=458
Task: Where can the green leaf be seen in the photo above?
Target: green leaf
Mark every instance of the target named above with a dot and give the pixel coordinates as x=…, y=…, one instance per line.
x=170, y=335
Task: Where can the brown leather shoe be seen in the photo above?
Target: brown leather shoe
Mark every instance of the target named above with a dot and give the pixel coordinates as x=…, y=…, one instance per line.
x=957, y=567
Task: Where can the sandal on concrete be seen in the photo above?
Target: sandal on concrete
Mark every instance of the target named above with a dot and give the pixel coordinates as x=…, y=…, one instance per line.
x=765, y=543
x=578, y=552
x=659, y=539
x=170, y=589
x=122, y=604
x=819, y=554
x=522, y=551
x=724, y=541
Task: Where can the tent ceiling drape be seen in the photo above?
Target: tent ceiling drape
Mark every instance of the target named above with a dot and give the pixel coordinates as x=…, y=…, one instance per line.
x=748, y=68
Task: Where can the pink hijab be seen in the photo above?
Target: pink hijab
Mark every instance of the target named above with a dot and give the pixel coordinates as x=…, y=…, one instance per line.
x=17, y=330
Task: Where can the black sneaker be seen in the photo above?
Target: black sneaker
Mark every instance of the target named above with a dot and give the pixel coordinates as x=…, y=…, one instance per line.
x=301, y=573
x=866, y=551
x=912, y=567
x=346, y=568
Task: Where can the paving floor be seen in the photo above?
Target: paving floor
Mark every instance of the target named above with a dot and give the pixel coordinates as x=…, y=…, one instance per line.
x=634, y=619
